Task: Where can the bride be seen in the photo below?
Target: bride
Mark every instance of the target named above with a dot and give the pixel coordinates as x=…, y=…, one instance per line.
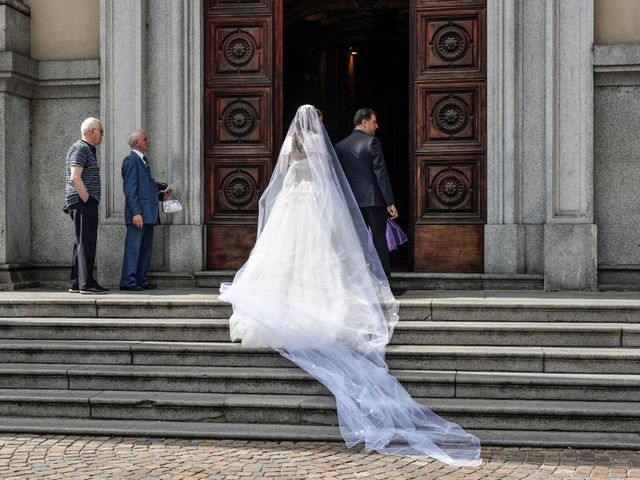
x=315, y=291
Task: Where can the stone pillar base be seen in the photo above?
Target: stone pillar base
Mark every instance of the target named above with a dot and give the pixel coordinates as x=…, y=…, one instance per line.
x=176, y=248
x=570, y=257
x=504, y=248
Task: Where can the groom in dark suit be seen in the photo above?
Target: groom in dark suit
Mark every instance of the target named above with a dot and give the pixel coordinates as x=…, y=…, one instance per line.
x=361, y=157
x=141, y=214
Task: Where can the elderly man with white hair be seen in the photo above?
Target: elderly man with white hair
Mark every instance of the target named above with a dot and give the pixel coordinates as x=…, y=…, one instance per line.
x=141, y=213
x=81, y=203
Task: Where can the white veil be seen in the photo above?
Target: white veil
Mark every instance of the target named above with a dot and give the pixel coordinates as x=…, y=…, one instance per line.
x=314, y=290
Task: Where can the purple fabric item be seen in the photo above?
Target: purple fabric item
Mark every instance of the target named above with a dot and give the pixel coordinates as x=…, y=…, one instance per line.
x=395, y=236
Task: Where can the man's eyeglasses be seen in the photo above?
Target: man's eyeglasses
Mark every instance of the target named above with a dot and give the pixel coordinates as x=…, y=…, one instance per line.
x=99, y=129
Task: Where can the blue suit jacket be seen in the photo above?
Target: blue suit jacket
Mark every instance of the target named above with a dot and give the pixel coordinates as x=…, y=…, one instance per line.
x=140, y=191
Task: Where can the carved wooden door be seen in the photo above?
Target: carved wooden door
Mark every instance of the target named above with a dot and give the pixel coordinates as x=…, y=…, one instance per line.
x=242, y=109
x=449, y=143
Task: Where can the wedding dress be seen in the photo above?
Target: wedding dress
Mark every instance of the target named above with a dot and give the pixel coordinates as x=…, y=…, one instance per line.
x=314, y=290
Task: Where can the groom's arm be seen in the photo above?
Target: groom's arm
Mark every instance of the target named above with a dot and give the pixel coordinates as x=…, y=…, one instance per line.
x=380, y=171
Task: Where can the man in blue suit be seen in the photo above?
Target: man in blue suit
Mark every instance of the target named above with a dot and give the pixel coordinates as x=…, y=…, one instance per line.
x=141, y=214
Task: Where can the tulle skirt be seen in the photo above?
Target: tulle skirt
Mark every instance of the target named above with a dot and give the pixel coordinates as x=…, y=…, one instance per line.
x=301, y=293
x=298, y=269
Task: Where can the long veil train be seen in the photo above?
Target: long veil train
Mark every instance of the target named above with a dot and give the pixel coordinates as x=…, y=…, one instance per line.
x=315, y=291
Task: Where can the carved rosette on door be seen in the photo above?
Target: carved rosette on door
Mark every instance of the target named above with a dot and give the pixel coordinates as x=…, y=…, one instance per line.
x=239, y=123
x=449, y=144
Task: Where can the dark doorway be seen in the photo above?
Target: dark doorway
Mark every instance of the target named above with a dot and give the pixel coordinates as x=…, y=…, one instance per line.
x=343, y=59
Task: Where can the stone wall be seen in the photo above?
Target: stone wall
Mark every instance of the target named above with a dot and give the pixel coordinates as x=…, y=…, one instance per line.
x=617, y=163
x=617, y=21
x=65, y=29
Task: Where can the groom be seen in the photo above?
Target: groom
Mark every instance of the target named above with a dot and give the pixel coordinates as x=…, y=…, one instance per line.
x=361, y=157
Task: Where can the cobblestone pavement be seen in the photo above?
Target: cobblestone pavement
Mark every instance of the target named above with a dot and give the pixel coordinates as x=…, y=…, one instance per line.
x=71, y=458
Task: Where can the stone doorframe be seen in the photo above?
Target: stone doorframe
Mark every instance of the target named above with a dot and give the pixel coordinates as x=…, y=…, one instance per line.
x=540, y=131
x=540, y=141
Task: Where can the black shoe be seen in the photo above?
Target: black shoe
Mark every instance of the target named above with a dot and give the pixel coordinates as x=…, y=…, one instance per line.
x=135, y=288
x=74, y=290
x=104, y=289
x=150, y=286
x=398, y=291
x=93, y=291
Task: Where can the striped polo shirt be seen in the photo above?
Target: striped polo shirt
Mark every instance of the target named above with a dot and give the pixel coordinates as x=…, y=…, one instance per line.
x=83, y=155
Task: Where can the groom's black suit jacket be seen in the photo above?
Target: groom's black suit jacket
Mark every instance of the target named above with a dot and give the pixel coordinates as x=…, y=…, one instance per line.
x=362, y=160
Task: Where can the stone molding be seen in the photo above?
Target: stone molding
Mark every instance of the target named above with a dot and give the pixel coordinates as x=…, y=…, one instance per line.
x=569, y=111
x=28, y=78
x=616, y=65
x=17, y=5
x=503, y=52
x=122, y=101
x=125, y=88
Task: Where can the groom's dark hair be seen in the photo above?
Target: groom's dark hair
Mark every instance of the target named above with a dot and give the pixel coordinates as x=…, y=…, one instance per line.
x=362, y=115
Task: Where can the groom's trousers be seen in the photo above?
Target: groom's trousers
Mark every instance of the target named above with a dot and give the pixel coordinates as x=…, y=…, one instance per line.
x=376, y=220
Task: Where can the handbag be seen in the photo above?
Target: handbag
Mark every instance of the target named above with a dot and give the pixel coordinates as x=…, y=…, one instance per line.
x=171, y=206
x=395, y=235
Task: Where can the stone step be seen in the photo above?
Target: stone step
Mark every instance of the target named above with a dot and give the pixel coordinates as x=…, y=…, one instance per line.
x=538, y=415
x=436, y=306
x=409, y=280
x=294, y=381
x=310, y=433
x=406, y=332
x=400, y=357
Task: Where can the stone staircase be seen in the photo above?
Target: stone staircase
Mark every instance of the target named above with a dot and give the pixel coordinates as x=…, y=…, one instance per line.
x=517, y=368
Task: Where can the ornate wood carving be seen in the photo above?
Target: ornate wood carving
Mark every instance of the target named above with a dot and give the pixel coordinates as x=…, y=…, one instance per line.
x=451, y=189
x=453, y=40
x=239, y=122
x=238, y=49
x=233, y=189
x=451, y=114
x=450, y=135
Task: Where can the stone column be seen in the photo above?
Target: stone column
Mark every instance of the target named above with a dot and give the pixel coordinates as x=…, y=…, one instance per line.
x=122, y=92
x=504, y=233
x=17, y=72
x=570, y=241
x=174, y=118
x=539, y=162
x=151, y=78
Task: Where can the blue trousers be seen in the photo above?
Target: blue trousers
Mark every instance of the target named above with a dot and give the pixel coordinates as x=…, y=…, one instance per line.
x=138, y=247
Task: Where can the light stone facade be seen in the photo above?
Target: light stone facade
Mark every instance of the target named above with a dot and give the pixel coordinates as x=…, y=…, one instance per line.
x=563, y=154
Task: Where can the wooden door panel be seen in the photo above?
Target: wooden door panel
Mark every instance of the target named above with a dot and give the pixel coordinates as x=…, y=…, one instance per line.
x=229, y=245
x=239, y=120
x=232, y=189
x=451, y=115
x=228, y=6
x=239, y=48
x=451, y=41
x=451, y=189
x=449, y=144
x=241, y=110
x=449, y=248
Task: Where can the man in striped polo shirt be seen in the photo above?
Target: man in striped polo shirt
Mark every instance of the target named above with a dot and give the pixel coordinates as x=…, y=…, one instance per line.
x=81, y=202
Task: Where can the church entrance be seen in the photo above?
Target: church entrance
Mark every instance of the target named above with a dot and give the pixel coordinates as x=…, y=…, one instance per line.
x=349, y=57
x=419, y=63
